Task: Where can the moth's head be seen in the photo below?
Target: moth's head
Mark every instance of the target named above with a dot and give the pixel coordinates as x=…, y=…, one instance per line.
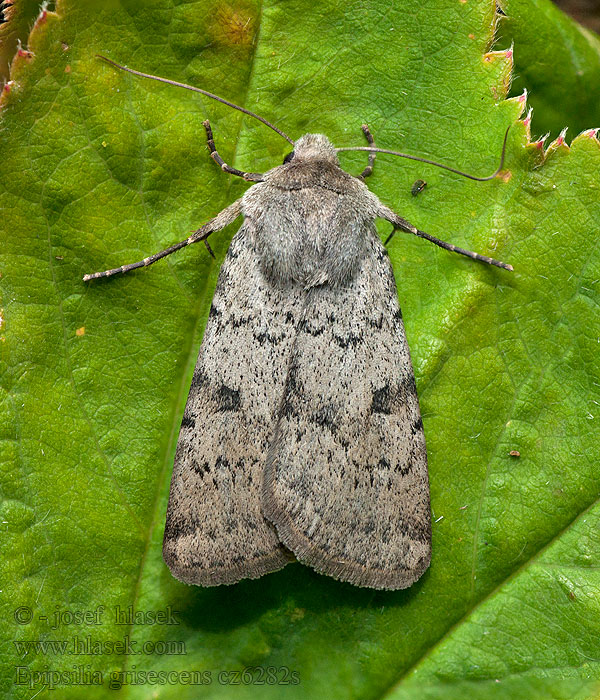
x=312, y=147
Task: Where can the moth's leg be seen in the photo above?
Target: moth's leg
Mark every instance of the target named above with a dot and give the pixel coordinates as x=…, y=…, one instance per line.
x=369, y=169
x=403, y=225
x=224, y=218
x=254, y=177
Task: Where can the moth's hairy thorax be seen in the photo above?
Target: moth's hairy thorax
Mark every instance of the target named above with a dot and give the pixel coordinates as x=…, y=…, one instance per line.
x=310, y=222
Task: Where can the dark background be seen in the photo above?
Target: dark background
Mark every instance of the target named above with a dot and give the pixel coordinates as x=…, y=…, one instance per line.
x=586, y=12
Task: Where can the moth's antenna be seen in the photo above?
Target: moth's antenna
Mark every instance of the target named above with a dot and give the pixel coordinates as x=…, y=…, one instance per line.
x=196, y=89
x=432, y=162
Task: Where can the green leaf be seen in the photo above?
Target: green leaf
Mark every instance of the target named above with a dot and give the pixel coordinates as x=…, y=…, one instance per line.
x=100, y=168
x=19, y=15
x=557, y=61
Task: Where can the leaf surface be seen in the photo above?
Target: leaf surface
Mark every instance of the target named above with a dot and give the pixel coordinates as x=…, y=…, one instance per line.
x=557, y=61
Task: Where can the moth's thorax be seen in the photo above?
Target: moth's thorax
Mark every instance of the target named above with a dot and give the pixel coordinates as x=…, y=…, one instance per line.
x=313, y=162
x=310, y=220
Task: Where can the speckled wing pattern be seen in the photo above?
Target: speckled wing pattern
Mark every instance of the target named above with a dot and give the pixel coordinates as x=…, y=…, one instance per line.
x=346, y=480
x=215, y=529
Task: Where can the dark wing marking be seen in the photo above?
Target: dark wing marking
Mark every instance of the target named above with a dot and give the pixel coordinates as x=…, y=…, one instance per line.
x=346, y=478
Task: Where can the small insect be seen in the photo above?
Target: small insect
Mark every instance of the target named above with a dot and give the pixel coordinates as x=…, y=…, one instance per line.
x=418, y=187
x=514, y=453
x=302, y=436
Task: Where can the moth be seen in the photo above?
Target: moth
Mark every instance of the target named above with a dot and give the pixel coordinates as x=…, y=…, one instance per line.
x=302, y=436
